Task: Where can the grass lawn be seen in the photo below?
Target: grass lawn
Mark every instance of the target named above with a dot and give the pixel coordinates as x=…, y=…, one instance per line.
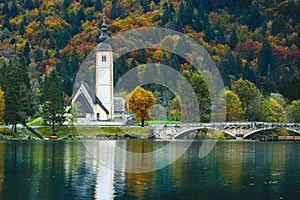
x=65, y=131
x=163, y=122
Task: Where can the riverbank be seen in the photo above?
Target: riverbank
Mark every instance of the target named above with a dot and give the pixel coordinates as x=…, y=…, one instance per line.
x=80, y=132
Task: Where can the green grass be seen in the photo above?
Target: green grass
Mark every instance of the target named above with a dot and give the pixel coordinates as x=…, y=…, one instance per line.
x=36, y=122
x=163, y=122
x=65, y=131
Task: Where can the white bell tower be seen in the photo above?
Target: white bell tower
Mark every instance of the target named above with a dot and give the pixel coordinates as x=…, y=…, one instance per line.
x=104, y=71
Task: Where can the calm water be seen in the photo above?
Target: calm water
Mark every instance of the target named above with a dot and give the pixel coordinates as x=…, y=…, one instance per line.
x=75, y=170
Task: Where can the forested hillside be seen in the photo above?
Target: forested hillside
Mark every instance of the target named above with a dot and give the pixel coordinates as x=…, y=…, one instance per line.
x=254, y=40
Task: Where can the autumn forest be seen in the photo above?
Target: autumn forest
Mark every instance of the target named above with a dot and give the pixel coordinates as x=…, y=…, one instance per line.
x=254, y=43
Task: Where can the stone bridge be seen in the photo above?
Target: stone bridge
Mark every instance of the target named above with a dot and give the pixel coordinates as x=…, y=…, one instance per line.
x=241, y=130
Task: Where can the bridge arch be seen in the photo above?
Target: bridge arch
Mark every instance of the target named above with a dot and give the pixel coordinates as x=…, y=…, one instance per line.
x=269, y=128
x=200, y=128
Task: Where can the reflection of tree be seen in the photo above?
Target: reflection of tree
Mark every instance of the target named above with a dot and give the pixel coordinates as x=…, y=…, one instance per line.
x=45, y=170
x=138, y=181
x=230, y=164
x=2, y=153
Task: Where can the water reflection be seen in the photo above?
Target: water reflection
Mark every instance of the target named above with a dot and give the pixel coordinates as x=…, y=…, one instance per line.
x=69, y=170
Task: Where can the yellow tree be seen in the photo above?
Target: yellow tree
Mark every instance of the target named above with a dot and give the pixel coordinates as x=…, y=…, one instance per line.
x=234, y=111
x=140, y=102
x=2, y=105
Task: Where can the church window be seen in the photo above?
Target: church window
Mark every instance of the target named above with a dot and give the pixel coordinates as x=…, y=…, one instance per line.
x=103, y=58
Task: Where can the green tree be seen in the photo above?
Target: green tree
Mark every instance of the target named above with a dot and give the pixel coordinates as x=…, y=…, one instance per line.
x=189, y=13
x=29, y=4
x=251, y=99
x=266, y=59
x=6, y=24
x=220, y=36
x=19, y=103
x=22, y=28
x=26, y=53
x=166, y=13
x=202, y=94
x=2, y=106
x=233, y=39
x=140, y=102
x=98, y=5
x=14, y=11
x=209, y=33
x=229, y=68
x=293, y=111
x=5, y=9
x=53, y=101
x=234, y=111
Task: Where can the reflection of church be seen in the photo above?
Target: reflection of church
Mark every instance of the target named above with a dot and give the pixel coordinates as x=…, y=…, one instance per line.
x=99, y=105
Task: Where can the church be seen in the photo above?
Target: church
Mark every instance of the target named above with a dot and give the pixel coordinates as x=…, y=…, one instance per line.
x=99, y=105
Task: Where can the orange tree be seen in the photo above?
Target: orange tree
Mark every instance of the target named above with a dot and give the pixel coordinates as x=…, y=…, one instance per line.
x=140, y=102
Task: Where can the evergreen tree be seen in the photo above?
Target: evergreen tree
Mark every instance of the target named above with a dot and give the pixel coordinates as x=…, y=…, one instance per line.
x=256, y=18
x=117, y=12
x=52, y=42
x=53, y=101
x=181, y=13
x=5, y=34
x=2, y=106
x=189, y=13
x=41, y=18
x=98, y=5
x=75, y=26
x=244, y=19
x=38, y=55
x=174, y=63
x=266, y=59
x=87, y=3
x=74, y=63
x=166, y=13
x=120, y=68
x=233, y=39
x=66, y=4
x=5, y=9
x=14, y=11
x=47, y=56
x=248, y=73
x=22, y=28
x=80, y=15
x=18, y=94
x=6, y=24
x=26, y=53
x=145, y=5
x=209, y=33
x=63, y=37
x=29, y=4
x=220, y=36
x=207, y=5
x=228, y=68
x=198, y=24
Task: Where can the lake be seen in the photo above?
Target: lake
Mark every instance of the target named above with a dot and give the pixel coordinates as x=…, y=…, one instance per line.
x=116, y=170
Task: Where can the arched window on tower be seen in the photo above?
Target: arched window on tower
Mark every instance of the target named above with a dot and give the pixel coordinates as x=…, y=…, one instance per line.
x=103, y=58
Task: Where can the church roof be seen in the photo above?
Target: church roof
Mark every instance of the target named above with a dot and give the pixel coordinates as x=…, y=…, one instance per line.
x=83, y=95
x=104, y=38
x=103, y=47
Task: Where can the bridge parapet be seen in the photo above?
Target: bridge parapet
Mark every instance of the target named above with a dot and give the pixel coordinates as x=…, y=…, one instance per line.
x=235, y=129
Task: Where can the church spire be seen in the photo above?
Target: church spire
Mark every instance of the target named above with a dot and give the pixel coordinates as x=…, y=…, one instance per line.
x=104, y=37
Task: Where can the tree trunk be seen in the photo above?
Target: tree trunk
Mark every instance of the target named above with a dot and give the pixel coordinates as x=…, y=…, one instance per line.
x=53, y=131
x=14, y=128
x=143, y=122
